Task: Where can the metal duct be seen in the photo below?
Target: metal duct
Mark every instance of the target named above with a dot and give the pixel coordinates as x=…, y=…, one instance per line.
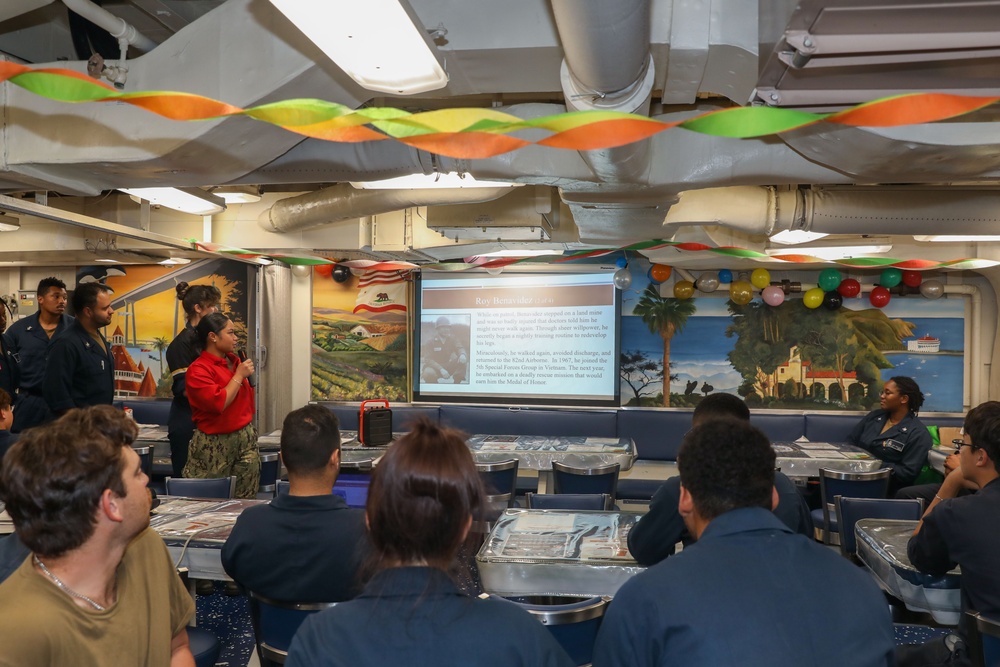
x=875, y=210
x=608, y=66
x=344, y=202
x=118, y=28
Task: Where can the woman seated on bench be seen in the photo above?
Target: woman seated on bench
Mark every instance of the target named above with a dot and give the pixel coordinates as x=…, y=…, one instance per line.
x=423, y=496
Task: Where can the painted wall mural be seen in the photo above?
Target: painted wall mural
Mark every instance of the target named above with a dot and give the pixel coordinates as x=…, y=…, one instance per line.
x=359, y=335
x=787, y=355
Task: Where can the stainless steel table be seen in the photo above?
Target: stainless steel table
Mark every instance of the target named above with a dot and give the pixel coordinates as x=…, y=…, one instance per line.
x=548, y=552
x=882, y=547
x=804, y=459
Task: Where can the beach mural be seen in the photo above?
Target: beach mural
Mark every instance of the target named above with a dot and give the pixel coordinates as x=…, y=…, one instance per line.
x=359, y=336
x=787, y=356
x=148, y=316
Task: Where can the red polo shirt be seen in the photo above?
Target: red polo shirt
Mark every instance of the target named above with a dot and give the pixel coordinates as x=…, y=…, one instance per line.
x=206, y=381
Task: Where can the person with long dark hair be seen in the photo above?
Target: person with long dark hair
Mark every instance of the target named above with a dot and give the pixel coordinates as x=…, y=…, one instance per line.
x=894, y=434
x=198, y=301
x=222, y=406
x=422, y=498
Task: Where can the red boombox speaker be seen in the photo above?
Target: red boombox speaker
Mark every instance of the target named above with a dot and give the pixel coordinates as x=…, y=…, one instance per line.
x=375, y=423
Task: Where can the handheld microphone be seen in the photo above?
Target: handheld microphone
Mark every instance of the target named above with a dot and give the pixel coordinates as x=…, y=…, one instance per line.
x=243, y=357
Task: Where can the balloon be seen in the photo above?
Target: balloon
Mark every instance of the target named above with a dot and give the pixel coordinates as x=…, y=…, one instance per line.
x=683, y=289
x=707, y=282
x=621, y=262
x=832, y=300
x=849, y=288
x=932, y=289
x=890, y=278
x=760, y=278
x=650, y=278
x=879, y=296
x=622, y=278
x=912, y=278
x=660, y=272
x=741, y=292
x=813, y=298
x=725, y=276
x=324, y=270
x=773, y=295
x=341, y=273
x=829, y=279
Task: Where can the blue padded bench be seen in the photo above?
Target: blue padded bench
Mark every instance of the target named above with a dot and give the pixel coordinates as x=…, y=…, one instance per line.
x=834, y=427
x=402, y=415
x=147, y=410
x=502, y=420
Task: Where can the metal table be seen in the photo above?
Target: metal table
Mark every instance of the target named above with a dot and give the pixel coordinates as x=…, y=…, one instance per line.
x=549, y=552
x=882, y=547
x=804, y=459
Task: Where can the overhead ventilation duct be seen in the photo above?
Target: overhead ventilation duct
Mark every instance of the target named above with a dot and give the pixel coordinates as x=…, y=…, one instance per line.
x=343, y=202
x=863, y=210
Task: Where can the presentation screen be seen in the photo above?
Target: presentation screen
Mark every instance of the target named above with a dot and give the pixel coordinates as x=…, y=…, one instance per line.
x=529, y=338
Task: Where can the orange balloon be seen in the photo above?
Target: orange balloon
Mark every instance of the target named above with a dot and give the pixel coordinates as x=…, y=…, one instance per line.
x=324, y=270
x=660, y=272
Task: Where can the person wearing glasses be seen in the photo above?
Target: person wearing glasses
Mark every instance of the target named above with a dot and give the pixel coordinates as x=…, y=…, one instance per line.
x=894, y=434
x=962, y=531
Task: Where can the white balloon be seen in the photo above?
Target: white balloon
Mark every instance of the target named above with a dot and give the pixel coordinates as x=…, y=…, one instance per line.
x=622, y=278
x=301, y=270
x=707, y=282
x=932, y=289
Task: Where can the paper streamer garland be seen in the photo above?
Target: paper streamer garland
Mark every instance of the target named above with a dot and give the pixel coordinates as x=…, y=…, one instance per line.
x=481, y=133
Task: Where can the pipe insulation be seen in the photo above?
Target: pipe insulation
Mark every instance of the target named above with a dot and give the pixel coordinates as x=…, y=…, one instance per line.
x=344, y=202
x=118, y=28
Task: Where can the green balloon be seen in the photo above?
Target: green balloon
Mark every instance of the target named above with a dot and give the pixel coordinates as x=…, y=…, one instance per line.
x=829, y=279
x=890, y=278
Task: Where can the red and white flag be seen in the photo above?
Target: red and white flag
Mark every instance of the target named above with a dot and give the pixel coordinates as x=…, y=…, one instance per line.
x=381, y=292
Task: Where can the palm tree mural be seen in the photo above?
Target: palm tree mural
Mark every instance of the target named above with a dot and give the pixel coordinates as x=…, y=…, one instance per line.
x=666, y=317
x=161, y=344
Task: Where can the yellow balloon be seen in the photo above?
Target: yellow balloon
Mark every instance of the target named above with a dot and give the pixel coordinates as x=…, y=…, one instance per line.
x=740, y=292
x=813, y=298
x=683, y=289
x=760, y=278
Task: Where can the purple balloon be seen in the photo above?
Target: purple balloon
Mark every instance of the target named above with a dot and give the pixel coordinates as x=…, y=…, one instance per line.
x=773, y=295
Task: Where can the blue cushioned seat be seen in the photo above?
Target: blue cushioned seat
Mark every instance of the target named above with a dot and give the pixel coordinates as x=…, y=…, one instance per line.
x=204, y=646
x=573, y=621
x=834, y=483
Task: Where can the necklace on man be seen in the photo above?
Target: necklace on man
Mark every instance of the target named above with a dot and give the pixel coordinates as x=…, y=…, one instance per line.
x=59, y=582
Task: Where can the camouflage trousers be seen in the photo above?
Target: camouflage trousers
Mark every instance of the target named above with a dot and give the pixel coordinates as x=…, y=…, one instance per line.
x=224, y=455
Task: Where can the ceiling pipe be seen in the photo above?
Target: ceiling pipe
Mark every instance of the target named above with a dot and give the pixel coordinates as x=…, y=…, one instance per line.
x=862, y=210
x=118, y=28
x=344, y=202
x=608, y=67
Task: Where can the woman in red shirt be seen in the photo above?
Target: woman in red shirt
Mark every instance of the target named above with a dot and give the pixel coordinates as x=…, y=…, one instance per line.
x=222, y=406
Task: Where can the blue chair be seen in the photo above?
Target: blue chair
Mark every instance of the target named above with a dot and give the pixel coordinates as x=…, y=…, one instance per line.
x=275, y=623
x=216, y=487
x=573, y=621
x=499, y=481
x=600, y=502
x=283, y=486
x=270, y=466
x=850, y=510
x=989, y=635
x=205, y=647
x=599, y=479
x=834, y=483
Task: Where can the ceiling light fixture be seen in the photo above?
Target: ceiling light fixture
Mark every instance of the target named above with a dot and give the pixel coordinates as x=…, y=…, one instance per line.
x=833, y=252
x=9, y=223
x=942, y=238
x=186, y=200
x=237, y=194
x=522, y=252
x=173, y=261
x=381, y=44
x=795, y=236
x=430, y=181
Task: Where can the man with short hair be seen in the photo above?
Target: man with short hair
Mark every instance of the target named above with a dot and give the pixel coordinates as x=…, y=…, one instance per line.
x=749, y=592
x=962, y=530
x=99, y=588
x=306, y=545
x=445, y=358
x=81, y=371
x=7, y=438
x=656, y=535
x=30, y=339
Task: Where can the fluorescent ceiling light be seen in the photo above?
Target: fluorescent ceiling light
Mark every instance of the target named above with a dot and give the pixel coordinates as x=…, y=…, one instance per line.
x=237, y=194
x=172, y=261
x=381, y=44
x=9, y=223
x=833, y=252
x=185, y=200
x=107, y=261
x=524, y=252
x=794, y=236
x=956, y=239
x=430, y=181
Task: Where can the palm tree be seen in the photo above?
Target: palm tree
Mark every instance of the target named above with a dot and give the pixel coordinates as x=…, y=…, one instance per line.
x=665, y=317
x=161, y=344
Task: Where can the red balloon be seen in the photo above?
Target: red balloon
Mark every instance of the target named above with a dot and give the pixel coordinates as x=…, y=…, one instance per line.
x=912, y=278
x=879, y=297
x=849, y=288
x=324, y=270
